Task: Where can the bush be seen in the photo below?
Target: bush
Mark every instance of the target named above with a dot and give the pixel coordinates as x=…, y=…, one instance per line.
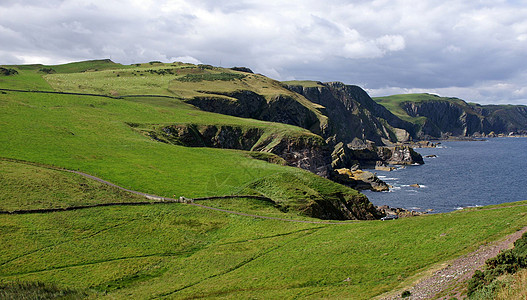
x=242, y=69
x=210, y=77
x=8, y=71
x=47, y=70
x=406, y=294
x=507, y=262
x=205, y=67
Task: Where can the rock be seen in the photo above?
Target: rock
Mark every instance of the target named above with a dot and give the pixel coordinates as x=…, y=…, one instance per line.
x=399, y=212
x=353, y=114
x=360, y=180
x=400, y=155
x=382, y=166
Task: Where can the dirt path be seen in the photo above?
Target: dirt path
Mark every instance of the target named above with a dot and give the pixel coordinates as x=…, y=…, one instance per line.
x=450, y=278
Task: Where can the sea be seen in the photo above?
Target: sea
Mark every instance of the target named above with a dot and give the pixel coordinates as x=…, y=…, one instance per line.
x=461, y=174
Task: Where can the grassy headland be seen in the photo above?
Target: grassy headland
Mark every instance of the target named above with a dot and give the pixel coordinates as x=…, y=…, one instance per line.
x=178, y=250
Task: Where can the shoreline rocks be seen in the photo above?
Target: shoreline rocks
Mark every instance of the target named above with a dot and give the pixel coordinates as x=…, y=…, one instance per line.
x=400, y=212
x=359, y=180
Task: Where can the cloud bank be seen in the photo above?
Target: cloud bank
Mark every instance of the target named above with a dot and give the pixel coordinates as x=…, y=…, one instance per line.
x=474, y=50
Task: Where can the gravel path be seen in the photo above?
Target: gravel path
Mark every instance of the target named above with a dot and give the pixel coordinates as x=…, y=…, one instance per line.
x=457, y=271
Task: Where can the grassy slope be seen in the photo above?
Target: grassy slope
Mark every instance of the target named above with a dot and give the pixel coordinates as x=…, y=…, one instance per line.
x=138, y=79
x=92, y=134
x=32, y=187
x=182, y=251
x=304, y=83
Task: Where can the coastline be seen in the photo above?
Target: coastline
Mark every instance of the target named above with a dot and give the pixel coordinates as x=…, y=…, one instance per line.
x=458, y=175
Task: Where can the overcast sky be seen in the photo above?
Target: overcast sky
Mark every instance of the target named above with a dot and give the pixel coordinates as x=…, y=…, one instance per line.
x=474, y=50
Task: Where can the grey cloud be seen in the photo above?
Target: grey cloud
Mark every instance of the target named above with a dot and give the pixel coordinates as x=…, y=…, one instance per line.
x=476, y=49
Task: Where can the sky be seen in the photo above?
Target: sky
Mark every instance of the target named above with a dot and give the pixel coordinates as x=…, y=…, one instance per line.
x=473, y=50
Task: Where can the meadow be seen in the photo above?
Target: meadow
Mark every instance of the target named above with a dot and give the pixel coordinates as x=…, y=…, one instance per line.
x=182, y=251
x=177, y=250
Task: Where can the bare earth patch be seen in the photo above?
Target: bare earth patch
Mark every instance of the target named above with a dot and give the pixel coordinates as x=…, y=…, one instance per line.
x=450, y=281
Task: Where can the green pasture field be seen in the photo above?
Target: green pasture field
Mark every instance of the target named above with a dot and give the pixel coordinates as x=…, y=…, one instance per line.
x=177, y=250
x=393, y=104
x=180, y=251
x=92, y=134
x=304, y=83
x=31, y=187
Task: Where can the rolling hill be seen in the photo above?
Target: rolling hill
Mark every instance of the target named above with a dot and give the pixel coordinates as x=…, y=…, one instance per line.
x=200, y=132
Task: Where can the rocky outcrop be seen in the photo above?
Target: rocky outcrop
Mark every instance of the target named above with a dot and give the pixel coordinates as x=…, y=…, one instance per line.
x=343, y=207
x=452, y=117
x=360, y=180
x=308, y=152
x=280, y=108
x=343, y=156
x=400, y=155
x=352, y=114
x=383, y=166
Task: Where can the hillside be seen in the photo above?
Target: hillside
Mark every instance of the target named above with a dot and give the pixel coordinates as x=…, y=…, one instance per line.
x=95, y=121
x=441, y=117
x=155, y=128
x=182, y=251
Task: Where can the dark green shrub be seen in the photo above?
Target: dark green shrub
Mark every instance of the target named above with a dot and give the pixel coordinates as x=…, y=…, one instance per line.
x=7, y=71
x=242, y=69
x=406, y=294
x=210, y=77
x=507, y=262
x=47, y=70
x=203, y=67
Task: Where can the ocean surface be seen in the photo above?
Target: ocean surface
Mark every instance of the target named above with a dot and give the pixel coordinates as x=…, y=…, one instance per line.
x=463, y=174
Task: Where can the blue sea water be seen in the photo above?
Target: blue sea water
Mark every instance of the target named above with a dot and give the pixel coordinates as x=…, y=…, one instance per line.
x=463, y=174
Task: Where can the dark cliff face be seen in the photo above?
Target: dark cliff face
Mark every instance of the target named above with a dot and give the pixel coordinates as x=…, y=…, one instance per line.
x=345, y=157
x=503, y=118
x=340, y=114
x=353, y=114
x=457, y=118
x=306, y=152
x=248, y=104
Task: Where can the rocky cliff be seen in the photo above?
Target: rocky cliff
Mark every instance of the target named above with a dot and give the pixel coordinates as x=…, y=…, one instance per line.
x=358, y=127
x=352, y=114
x=341, y=114
x=306, y=151
x=439, y=117
x=280, y=108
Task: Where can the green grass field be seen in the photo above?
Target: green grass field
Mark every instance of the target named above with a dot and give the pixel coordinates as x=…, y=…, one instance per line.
x=177, y=250
x=181, y=251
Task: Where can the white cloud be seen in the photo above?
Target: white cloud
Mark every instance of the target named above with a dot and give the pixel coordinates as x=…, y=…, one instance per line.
x=391, y=42
x=186, y=59
x=450, y=46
